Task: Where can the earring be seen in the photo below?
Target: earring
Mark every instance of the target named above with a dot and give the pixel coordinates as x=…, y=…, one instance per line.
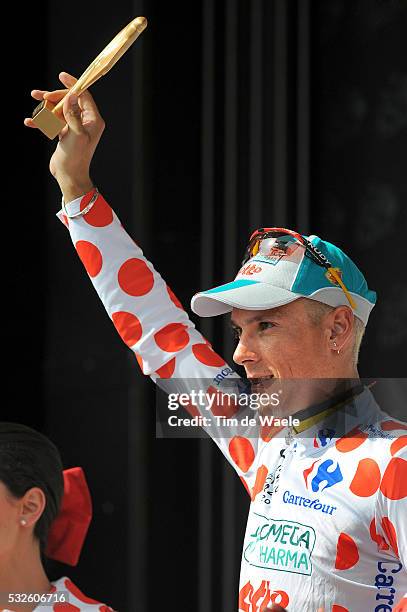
x=23, y=522
x=335, y=347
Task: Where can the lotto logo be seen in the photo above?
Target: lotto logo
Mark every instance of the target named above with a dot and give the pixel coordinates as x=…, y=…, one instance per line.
x=250, y=269
x=326, y=475
x=254, y=601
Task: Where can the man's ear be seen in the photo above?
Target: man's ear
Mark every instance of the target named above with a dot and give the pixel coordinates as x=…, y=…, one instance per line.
x=340, y=324
x=32, y=505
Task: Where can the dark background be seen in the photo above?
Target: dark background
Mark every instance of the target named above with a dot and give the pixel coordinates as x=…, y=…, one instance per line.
x=223, y=117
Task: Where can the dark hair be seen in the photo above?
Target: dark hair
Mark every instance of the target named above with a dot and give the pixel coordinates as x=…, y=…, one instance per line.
x=29, y=459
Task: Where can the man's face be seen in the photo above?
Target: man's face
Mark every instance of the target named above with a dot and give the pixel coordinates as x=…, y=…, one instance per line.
x=280, y=342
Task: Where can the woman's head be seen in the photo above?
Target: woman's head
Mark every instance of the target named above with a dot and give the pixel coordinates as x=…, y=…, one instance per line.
x=31, y=483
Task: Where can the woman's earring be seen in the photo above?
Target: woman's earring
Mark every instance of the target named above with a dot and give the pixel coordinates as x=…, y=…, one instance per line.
x=23, y=522
x=335, y=347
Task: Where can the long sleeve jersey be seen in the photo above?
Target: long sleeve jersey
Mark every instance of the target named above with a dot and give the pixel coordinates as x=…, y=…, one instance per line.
x=327, y=526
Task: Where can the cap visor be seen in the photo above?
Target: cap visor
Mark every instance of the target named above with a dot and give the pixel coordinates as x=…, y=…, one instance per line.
x=244, y=294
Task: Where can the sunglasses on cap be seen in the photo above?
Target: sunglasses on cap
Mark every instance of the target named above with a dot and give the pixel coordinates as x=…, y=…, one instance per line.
x=283, y=239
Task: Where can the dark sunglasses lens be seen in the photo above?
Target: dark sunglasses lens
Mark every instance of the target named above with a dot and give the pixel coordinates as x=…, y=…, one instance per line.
x=281, y=238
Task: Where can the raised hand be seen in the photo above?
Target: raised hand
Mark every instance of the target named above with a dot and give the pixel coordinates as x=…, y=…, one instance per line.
x=70, y=163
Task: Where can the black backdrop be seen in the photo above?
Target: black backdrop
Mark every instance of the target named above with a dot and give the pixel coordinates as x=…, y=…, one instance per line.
x=224, y=116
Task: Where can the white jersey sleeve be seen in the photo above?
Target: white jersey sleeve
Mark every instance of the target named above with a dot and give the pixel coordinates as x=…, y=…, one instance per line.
x=154, y=325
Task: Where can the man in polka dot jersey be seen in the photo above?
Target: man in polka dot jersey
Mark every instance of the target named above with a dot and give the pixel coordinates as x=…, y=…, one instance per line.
x=327, y=525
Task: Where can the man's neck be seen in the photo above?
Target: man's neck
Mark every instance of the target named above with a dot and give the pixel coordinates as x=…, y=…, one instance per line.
x=298, y=395
x=320, y=411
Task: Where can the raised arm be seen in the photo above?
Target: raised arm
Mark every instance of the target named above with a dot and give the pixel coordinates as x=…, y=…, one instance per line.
x=144, y=310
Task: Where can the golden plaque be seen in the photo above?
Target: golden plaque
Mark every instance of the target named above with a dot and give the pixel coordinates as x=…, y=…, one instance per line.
x=48, y=117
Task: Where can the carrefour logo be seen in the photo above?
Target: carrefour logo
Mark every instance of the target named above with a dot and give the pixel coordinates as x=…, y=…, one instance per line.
x=327, y=474
x=323, y=437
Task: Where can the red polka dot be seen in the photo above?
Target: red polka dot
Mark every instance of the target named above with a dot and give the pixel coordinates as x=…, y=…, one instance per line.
x=401, y=606
x=65, y=607
x=267, y=432
x=105, y=609
x=167, y=370
x=192, y=409
x=77, y=593
x=171, y=338
x=261, y=476
x=391, y=535
x=351, y=441
x=174, y=298
x=347, y=554
x=139, y=361
x=90, y=256
x=128, y=326
x=65, y=220
x=394, y=482
x=336, y=608
x=392, y=425
x=246, y=486
x=135, y=278
x=242, y=452
x=223, y=404
x=205, y=354
x=398, y=444
x=366, y=480
x=376, y=537
x=100, y=214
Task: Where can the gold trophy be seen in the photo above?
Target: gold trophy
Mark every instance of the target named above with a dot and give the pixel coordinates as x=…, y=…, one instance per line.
x=48, y=117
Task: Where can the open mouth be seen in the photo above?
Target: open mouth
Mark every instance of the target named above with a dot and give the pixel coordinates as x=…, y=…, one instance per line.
x=260, y=381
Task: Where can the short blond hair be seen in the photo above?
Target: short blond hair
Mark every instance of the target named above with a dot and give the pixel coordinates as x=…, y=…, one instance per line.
x=317, y=310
